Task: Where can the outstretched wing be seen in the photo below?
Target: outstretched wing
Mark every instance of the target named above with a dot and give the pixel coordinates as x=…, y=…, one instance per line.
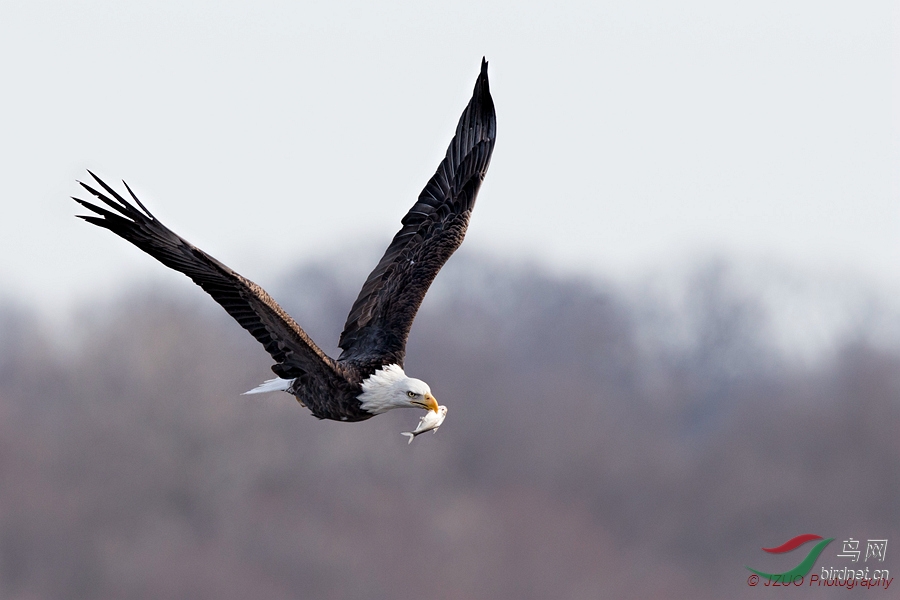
x=380, y=319
x=293, y=350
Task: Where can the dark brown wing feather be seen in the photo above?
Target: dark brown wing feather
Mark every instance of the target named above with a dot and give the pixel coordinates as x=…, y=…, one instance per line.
x=296, y=354
x=379, y=321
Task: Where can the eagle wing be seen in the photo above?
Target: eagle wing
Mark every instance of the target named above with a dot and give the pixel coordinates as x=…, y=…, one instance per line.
x=380, y=319
x=296, y=354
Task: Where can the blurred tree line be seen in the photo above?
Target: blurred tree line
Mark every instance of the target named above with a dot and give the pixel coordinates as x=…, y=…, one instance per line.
x=589, y=451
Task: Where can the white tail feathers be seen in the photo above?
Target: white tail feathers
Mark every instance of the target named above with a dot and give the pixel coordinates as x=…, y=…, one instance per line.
x=273, y=385
x=411, y=435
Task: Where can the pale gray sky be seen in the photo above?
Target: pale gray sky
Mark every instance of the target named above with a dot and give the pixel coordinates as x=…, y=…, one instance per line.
x=630, y=134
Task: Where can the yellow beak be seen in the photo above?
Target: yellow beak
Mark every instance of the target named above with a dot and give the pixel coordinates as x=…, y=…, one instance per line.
x=431, y=403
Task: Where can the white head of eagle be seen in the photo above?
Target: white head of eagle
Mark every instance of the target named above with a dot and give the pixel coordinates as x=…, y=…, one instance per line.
x=389, y=387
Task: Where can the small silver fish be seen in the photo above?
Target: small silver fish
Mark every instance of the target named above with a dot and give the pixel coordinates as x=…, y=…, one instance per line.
x=430, y=422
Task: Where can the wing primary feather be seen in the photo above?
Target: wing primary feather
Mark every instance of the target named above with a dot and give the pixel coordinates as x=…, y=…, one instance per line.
x=123, y=208
x=109, y=190
x=94, y=208
x=135, y=198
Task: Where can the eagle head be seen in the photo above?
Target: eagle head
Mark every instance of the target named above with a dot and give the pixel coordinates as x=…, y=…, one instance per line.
x=389, y=387
x=417, y=394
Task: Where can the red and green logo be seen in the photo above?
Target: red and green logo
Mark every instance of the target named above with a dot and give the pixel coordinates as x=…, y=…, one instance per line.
x=805, y=566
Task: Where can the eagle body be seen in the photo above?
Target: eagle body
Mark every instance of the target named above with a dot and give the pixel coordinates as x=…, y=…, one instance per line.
x=359, y=395
x=367, y=378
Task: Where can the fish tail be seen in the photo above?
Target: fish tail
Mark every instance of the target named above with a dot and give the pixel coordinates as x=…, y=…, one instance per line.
x=411, y=435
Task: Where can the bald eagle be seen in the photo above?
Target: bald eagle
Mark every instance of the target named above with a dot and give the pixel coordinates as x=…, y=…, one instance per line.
x=367, y=378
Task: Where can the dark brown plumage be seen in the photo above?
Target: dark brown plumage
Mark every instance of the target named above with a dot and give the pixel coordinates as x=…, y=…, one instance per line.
x=379, y=322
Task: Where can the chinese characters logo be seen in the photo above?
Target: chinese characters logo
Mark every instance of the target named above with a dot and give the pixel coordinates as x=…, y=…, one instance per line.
x=847, y=576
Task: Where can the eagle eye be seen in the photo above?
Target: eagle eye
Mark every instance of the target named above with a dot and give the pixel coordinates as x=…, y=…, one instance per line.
x=411, y=394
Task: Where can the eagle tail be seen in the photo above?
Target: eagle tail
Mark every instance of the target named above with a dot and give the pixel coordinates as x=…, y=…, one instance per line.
x=273, y=385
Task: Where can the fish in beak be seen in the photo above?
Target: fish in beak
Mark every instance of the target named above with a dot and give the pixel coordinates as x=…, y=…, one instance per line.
x=430, y=422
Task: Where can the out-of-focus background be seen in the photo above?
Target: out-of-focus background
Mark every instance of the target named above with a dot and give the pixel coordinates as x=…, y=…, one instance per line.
x=670, y=339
